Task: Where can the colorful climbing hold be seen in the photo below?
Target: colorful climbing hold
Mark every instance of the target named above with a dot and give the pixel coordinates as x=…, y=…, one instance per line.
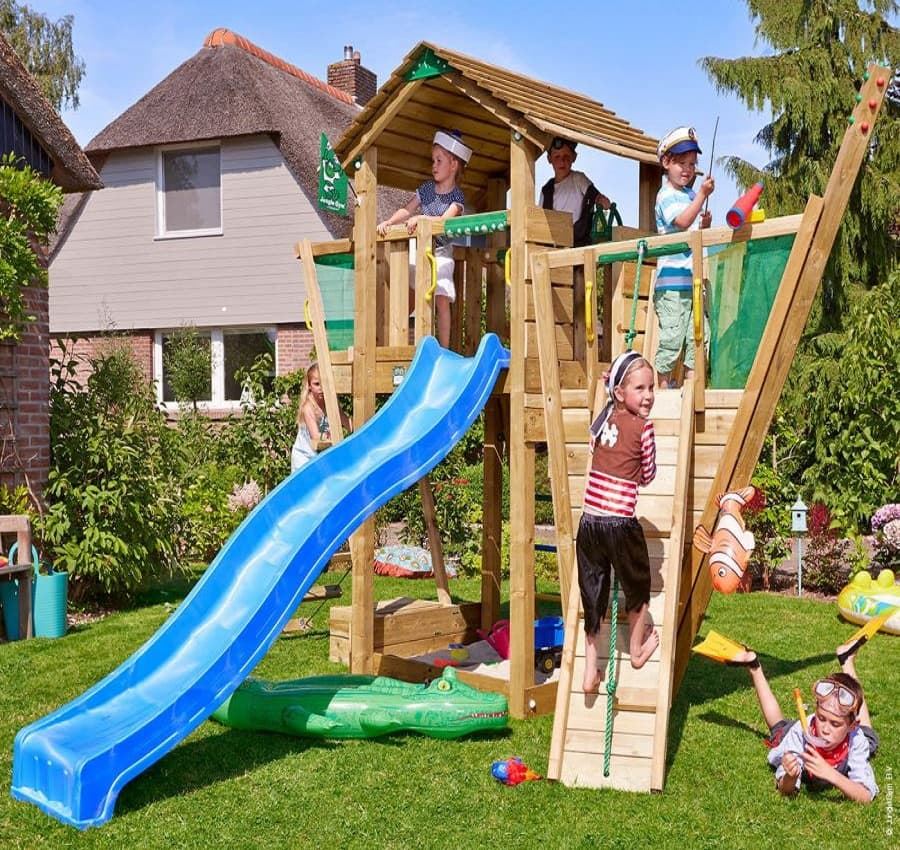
x=873, y=103
x=851, y=119
x=864, y=127
x=880, y=82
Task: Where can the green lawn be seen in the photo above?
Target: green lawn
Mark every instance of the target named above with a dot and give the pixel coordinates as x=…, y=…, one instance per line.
x=227, y=789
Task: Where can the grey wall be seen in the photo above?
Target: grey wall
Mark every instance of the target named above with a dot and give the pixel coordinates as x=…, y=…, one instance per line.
x=112, y=273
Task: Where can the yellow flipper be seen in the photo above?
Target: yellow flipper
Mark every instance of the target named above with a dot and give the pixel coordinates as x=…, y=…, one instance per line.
x=869, y=629
x=718, y=647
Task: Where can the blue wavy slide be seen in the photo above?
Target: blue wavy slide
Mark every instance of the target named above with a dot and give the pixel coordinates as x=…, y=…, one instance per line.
x=74, y=762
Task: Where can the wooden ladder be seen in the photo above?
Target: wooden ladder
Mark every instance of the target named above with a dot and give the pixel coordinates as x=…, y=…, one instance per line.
x=643, y=697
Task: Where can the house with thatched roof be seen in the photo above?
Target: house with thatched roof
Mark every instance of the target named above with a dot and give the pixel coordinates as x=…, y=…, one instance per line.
x=31, y=128
x=211, y=178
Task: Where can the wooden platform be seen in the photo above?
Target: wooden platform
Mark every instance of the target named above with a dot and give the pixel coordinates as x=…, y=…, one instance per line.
x=641, y=707
x=406, y=627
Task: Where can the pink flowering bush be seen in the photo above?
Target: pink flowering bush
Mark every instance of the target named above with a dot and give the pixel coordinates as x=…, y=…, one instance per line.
x=886, y=543
x=244, y=497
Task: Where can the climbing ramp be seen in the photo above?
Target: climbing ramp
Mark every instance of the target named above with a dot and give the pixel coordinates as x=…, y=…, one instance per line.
x=640, y=705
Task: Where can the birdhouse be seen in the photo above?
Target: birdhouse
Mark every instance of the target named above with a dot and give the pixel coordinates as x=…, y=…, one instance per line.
x=798, y=516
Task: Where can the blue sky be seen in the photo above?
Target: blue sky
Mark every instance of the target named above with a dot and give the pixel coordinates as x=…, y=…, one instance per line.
x=639, y=59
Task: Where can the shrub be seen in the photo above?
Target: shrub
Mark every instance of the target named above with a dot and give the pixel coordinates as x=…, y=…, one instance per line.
x=260, y=439
x=825, y=560
x=207, y=517
x=112, y=516
x=768, y=518
x=187, y=365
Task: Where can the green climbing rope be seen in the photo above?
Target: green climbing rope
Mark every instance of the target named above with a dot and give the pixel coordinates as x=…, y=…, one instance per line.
x=631, y=333
x=611, y=681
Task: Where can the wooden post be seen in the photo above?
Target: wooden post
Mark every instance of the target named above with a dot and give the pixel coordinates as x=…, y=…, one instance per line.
x=434, y=542
x=787, y=319
x=676, y=547
x=494, y=429
x=553, y=418
x=649, y=177
x=362, y=542
x=323, y=353
x=521, y=461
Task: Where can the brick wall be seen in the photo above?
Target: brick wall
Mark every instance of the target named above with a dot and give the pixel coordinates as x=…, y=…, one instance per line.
x=25, y=400
x=350, y=76
x=85, y=348
x=294, y=344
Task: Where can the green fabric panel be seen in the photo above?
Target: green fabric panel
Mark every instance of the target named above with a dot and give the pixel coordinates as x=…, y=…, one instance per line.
x=336, y=280
x=744, y=279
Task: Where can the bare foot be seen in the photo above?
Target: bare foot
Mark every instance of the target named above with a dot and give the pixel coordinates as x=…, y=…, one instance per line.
x=743, y=658
x=591, y=684
x=846, y=651
x=647, y=649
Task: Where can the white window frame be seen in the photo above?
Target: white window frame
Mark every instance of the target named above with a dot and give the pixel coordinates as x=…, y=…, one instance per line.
x=217, y=357
x=161, y=232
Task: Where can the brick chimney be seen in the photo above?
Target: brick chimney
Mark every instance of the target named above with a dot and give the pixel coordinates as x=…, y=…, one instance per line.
x=350, y=76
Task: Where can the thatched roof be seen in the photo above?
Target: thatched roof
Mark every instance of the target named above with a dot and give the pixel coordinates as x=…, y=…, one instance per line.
x=71, y=170
x=232, y=88
x=485, y=103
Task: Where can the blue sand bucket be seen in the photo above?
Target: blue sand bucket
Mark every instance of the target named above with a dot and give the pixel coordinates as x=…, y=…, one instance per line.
x=9, y=599
x=49, y=596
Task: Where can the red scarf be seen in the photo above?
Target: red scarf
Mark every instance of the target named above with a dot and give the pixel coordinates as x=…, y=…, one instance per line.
x=836, y=755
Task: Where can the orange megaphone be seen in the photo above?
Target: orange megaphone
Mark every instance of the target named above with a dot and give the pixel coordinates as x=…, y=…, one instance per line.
x=740, y=212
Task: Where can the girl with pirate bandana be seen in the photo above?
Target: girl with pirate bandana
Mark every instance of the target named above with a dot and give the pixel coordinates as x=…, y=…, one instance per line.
x=609, y=535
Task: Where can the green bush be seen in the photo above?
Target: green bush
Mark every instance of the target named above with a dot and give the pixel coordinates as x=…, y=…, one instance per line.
x=112, y=519
x=207, y=519
x=769, y=518
x=839, y=418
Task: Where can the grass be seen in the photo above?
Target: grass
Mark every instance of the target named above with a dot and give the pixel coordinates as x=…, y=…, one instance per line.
x=222, y=788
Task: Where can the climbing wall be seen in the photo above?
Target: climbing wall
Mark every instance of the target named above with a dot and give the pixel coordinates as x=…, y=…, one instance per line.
x=642, y=699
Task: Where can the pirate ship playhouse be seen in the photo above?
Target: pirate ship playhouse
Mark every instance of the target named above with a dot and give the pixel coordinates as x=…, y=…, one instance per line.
x=562, y=312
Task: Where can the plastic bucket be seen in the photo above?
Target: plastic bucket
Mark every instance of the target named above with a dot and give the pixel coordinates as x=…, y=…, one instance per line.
x=9, y=598
x=49, y=598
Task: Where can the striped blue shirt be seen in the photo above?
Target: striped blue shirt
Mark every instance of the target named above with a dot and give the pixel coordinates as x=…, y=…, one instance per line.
x=676, y=270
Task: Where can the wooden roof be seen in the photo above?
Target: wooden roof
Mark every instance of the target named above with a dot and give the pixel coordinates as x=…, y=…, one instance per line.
x=484, y=103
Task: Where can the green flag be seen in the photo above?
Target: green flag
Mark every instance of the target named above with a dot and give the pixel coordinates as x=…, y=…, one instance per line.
x=332, y=180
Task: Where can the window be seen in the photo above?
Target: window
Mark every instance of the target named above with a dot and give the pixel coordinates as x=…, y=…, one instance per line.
x=190, y=192
x=231, y=349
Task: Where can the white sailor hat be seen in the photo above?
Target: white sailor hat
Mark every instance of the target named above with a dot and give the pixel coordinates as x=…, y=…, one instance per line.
x=452, y=142
x=679, y=140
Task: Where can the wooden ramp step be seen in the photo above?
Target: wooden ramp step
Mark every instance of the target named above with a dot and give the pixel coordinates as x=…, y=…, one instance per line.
x=642, y=699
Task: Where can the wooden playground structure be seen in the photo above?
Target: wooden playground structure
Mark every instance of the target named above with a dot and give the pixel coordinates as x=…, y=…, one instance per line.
x=519, y=279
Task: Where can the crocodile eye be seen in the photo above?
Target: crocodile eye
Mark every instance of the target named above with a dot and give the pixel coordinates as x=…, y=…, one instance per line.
x=722, y=572
x=444, y=685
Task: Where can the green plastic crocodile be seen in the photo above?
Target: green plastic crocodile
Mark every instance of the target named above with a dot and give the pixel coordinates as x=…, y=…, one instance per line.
x=363, y=707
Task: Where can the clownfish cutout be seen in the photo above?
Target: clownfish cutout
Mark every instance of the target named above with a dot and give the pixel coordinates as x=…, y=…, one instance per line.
x=730, y=545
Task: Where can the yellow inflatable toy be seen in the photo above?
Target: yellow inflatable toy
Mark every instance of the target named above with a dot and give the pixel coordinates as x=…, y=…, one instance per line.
x=866, y=599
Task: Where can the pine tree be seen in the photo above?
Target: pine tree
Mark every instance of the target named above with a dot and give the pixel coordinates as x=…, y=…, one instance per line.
x=45, y=48
x=819, y=53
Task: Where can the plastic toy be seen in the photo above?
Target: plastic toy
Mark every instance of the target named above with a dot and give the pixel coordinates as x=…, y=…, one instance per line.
x=743, y=206
x=730, y=545
x=549, y=634
x=363, y=707
x=512, y=771
x=497, y=637
x=866, y=599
